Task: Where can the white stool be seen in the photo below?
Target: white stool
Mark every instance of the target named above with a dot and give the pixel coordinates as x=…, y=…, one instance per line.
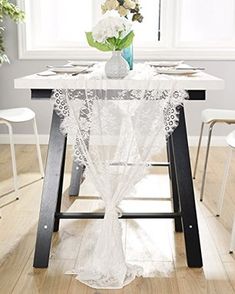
x=231, y=143
x=17, y=115
x=211, y=117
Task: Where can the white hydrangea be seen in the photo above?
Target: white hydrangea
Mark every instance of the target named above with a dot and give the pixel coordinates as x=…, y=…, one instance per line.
x=111, y=25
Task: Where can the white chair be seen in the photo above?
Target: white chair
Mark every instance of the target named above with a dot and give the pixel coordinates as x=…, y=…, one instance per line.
x=18, y=115
x=211, y=117
x=231, y=143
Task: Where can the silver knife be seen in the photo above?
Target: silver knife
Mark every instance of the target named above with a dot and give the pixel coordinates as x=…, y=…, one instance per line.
x=188, y=68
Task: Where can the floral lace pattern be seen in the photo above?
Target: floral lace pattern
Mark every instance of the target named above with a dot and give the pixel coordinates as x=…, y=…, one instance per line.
x=114, y=134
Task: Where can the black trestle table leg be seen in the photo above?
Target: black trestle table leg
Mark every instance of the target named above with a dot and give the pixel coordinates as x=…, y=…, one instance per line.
x=60, y=192
x=180, y=152
x=174, y=187
x=51, y=190
x=76, y=179
x=78, y=169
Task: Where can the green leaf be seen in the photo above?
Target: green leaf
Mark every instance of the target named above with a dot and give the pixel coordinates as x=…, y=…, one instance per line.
x=113, y=43
x=127, y=41
x=13, y=12
x=97, y=45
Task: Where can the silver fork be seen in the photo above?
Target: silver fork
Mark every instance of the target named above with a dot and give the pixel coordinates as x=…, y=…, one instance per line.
x=84, y=70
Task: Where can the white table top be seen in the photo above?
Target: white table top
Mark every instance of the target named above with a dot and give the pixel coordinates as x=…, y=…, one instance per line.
x=199, y=81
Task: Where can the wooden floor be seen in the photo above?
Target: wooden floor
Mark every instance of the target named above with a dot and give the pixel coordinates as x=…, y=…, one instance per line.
x=150, y=243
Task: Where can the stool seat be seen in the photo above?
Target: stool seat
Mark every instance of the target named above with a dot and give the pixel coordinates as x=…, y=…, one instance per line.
x=231, y=139
x=219, y=115
x=17, y=114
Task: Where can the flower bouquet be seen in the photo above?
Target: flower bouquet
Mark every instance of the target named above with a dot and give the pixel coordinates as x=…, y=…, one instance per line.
x=112, y=33
x=125, y=8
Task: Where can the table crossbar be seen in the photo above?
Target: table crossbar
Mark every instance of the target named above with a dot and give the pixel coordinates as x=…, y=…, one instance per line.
x=124, y=215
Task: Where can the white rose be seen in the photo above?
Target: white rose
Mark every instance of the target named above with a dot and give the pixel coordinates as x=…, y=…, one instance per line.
x=129, y=4
x=111, y=4
x=104, y=8
x=123, y=11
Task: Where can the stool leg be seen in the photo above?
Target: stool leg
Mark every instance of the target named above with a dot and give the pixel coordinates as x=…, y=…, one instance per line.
x=13, y=160
x=206, y=161
x=232, y=244
x=223, y=187
x=198, y=151
x=38, y=147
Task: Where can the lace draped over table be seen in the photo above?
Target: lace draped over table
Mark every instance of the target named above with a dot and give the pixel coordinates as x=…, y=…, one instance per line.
x=114, y=134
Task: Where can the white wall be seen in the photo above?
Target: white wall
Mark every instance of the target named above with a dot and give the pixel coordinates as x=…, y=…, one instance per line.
x=10, y=97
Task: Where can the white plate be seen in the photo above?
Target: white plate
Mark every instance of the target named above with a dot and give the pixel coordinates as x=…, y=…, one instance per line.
x=165, y=63
x=68, y=69
x=46, y=73
x=170, y=71
x=81, y=63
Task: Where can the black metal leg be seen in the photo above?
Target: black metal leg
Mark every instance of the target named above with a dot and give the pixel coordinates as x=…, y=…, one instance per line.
x=77, y=170
x=174, y=188
x=59, y=199
x=51, y=190
x=76, y=179
x=186, y=193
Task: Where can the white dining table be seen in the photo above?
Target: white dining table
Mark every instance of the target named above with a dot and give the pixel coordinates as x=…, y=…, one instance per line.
x=184, y=209
x=199, y=81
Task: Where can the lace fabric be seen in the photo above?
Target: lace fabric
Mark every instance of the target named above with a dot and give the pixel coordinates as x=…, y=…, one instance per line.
x=114, y=135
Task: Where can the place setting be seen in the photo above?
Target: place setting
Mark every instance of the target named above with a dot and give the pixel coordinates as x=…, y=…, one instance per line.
x=174, y=68
x=72, y=68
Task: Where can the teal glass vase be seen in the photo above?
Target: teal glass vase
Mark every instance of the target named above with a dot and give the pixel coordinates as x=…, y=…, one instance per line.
x=127, y=54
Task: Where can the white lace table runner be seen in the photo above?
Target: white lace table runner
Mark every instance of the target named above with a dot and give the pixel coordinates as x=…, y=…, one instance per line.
x=114, y=134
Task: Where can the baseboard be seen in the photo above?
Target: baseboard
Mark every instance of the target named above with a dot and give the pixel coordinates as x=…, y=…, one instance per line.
x=24, y=139
x=215, y=141
x=30, y=139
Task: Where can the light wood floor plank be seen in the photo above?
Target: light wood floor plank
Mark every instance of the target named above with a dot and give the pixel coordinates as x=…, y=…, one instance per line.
x=13, y=266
